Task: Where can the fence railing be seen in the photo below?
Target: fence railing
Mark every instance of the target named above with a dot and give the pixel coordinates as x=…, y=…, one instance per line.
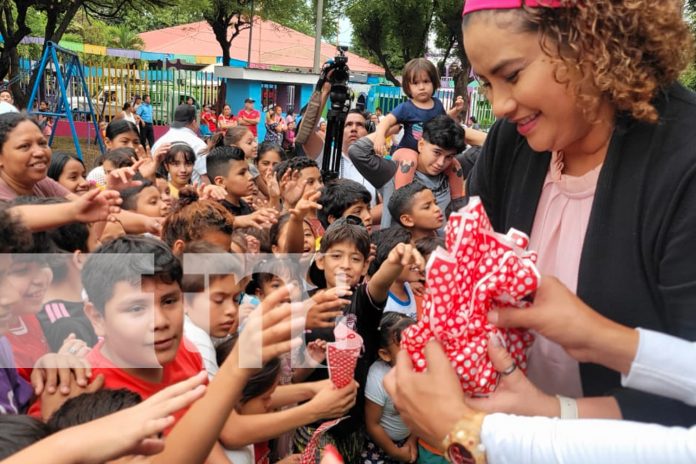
x=111, y=87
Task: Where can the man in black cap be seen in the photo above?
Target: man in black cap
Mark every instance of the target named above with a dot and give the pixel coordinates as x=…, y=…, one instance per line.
x=249, y=116
x=184, y=128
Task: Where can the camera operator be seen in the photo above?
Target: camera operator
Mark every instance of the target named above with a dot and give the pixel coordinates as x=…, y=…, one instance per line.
x=355, y=128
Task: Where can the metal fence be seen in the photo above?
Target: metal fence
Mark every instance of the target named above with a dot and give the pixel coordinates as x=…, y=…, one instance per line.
x=387, y=98
x=111, y=87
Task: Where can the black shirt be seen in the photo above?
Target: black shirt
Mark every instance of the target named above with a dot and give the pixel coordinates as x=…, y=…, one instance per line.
x=362, y=315
x=242, y=210
x=638, y=262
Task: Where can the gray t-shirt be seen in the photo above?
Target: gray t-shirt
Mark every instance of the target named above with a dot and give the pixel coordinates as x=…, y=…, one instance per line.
x=380, y=173
x=374, y=391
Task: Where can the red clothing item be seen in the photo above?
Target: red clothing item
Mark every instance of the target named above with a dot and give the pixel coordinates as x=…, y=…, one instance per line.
x=28, y=344
x=253, y=114
x=225, y=121
x=210, y=120
x=186, y=364
x=262, y=453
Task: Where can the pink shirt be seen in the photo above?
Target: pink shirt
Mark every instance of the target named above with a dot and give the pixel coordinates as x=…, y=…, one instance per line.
x=558, y=235
x=46, y=187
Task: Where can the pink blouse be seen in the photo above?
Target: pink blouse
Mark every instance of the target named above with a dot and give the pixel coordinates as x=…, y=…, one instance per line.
x=558, y=235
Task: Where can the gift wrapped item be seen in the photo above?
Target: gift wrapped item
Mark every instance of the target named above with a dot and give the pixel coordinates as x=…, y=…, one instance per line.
x=342, y=355
x=479, y=270
x=312, y=452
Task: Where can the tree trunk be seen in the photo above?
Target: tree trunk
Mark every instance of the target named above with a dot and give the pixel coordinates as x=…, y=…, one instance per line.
x=387, y=70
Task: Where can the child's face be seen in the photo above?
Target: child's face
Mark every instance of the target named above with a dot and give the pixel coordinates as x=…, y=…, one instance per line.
x=425, y=213
x=433, y=160
x=361, y=210
x=311, y=177
x=259, y=405
x=269, y=286
x=165, y=196
x=309, y=244
x=390, y=353
x=267, y=162
x=421, y=87
x=149, y=202
x=108, y=167
x=142, y=324
x=26, y=285
x=249, y=145
x=73, y=177
x=343, y=264
x=180, y=170
x=239, y=181
x=215, y=310
x=410, y=274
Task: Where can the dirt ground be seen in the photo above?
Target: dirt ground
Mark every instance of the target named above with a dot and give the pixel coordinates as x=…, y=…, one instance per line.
x=90, y=150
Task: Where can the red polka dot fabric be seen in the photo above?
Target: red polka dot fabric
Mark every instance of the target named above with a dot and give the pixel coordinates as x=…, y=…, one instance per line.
x=480, y=269
x=311, y=454
x=342, y=355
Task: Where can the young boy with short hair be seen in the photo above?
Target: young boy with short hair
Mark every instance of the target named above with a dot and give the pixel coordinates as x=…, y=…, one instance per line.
x=343, y=257
x=400, y=297
x=136, y=305
x=345, y=197
x=415, y=208
x=228, y=168
x=442, y=139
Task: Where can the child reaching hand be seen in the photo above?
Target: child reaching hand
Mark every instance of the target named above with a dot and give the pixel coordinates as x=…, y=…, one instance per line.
x=420, y=81
x=388, y=439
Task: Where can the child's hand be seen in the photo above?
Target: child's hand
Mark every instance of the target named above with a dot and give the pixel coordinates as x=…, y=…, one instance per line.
x=405, y=254
x=52, y=370
x=326, y=307
x=122, y=178
x=290, y=186
x=74, y=346
x=253, y=244
x=317, y=351
x=245, y=309
x=406, y=453
x=370, y=258
x=51, y=402
x=379, y=143
x=261, y=219
x=149, y=167
x=418, y=288
x=331, y=402
x=413, y=443
x=96, y=205
x=211, y=192
x=268, y=331
x=272, y=184
x=306, y=205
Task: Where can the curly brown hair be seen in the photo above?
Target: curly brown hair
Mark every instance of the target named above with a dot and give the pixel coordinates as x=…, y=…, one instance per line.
x=626, y=50
x=192, y=218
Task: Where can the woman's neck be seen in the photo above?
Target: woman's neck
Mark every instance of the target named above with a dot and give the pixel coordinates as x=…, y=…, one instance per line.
x=16, y=186
x=591, y=150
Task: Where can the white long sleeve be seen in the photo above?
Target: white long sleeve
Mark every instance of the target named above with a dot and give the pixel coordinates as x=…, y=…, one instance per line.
x=540, y=440
x=664, y=365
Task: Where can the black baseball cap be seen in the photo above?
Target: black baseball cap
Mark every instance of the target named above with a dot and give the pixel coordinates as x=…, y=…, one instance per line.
x=249, y=100
x=183, y=116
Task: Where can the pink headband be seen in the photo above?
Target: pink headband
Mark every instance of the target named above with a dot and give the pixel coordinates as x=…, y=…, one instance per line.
x=476, y=5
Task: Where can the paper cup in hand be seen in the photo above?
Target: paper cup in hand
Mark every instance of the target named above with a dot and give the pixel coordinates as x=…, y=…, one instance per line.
x=342, y=355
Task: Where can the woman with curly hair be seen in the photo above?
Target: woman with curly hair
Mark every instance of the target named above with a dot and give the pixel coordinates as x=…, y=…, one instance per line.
x=594, y=156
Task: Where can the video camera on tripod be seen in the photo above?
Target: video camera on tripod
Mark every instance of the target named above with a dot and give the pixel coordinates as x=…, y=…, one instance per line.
x=336, y=72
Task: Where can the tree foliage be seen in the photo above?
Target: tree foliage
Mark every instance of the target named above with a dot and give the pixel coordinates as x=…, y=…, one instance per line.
x=392, y=32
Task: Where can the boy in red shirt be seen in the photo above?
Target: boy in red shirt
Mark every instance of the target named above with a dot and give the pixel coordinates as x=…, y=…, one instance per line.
x=137, y=309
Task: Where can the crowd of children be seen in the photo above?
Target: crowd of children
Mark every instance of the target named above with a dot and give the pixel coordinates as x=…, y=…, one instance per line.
x=124, y=279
